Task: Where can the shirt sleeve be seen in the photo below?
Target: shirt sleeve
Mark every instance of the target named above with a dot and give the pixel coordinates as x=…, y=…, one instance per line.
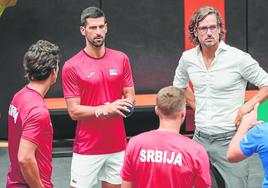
x=126, y=172
x=251, y=141
x=181, y=78
x=34, y=125
x=203, y=178
x=70, y=82
x=127, y=74
x=251, y=71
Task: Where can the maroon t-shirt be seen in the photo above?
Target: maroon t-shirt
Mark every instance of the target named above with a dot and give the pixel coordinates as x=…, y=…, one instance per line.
x=96, y=82
x=165, y=159
x=28, y=118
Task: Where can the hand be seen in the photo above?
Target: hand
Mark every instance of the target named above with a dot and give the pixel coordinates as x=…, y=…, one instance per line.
x=250, y=119
x=243, y=110
x=114, y=108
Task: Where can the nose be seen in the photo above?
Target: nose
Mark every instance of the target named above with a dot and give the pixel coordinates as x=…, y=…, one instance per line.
x=209, y=32
x=98, y=30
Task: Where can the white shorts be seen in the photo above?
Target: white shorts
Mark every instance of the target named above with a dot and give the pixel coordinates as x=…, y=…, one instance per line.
x=87, y=170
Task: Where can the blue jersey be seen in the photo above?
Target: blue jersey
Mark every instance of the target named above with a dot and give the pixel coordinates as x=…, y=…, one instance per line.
x=256, y=141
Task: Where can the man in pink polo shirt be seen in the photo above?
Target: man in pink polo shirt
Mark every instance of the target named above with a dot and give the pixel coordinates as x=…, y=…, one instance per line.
x=163, y=157
x=98, y=88
x=30, y=132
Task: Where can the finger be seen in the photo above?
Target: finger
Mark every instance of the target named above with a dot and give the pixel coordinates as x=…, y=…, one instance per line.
x=123, y=108
x=259, y=122
x=238, y=122
x=120, y=113
x=126, y=102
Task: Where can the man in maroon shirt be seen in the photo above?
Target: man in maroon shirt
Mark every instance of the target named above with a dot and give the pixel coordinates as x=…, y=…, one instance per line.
x=163, y=157
x=98, y=86
x=30, y=131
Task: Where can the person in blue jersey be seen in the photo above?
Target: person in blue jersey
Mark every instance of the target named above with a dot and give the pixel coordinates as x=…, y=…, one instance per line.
x=251, y=137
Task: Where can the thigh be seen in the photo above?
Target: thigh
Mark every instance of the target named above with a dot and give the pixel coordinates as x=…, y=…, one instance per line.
x=110, y=171
x=234, y=174
x=85, y=169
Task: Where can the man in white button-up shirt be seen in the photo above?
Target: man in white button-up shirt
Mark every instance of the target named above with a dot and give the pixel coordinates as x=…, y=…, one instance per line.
x=219, y=74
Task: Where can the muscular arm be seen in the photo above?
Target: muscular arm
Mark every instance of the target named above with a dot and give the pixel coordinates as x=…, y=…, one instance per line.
x=234, y=153
x=129, y=93
x=78, y=111
x=189, y=97
x=28, y=164
x=82, y=112
x=259, y=97
x=126, y=184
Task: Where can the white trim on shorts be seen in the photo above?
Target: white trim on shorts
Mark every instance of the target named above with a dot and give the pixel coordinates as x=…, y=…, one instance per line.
x=87, y=170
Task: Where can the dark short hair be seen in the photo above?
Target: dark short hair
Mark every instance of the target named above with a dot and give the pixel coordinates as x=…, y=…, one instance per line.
x=199, y=16
x=170, y=100
x=40, y=59
x=91, y=12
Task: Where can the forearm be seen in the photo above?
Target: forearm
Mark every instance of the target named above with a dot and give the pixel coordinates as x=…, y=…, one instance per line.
x=126, y=184
x=259, y=97
x=30, y=172
x=129, y=93
x=81, y=112
x=189, y=97
x=234, y=153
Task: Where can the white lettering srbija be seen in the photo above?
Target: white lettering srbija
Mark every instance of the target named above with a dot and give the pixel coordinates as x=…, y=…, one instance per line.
x=157, y=156
x=13, y=112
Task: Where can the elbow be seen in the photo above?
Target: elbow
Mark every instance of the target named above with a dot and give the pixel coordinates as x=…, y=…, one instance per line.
x=73, y=115
x=24, y=161
x=231, y=157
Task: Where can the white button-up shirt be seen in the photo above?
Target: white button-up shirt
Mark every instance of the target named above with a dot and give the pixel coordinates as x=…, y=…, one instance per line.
x=220, y=89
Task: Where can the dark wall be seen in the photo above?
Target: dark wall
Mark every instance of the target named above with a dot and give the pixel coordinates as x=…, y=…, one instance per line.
x=258, y=31
x=149, y=31
x=57, y=21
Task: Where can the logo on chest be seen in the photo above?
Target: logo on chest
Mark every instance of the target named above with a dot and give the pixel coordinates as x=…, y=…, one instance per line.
x=113, y=72
x=91, y=74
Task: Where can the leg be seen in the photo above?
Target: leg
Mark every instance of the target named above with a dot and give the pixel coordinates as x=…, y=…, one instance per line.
x=108, y=185
x=214, y=176
x=234, y=174
x=85, y=169
x=110, y=172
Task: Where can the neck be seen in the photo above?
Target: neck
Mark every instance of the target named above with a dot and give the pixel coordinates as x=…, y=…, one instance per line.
x=209, y=52
x=41, y=87
x=95, y=52
x=172, y=125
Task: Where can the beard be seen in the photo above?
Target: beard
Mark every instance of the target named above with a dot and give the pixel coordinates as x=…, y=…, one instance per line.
x=97, y=42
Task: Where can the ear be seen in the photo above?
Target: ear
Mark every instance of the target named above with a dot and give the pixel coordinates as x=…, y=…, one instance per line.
x=156, y=110
x=106, y=28
x=182, y=113
x=53, y=72
x=82, y=30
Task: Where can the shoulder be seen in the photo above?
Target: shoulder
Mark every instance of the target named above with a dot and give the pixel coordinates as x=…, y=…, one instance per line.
x=139, y=139
x=260, y=129
x=116, y=53
x=195, y=148
x=39, y=110
x=190, y=53
x=72, y=61
x=235, y=51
